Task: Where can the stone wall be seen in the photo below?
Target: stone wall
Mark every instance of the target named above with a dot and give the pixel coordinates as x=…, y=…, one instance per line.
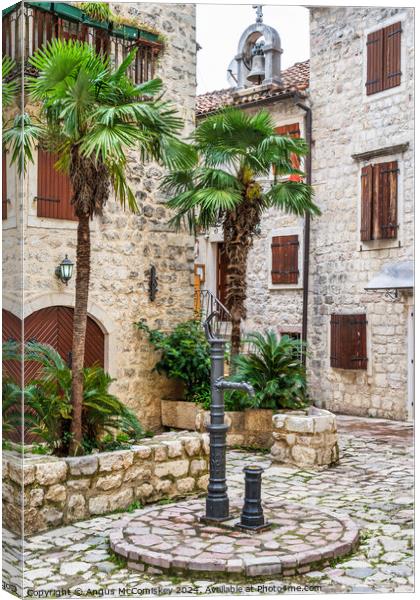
x=347, y=122
x=305, y=438
x=58, y=491
x=124, y=246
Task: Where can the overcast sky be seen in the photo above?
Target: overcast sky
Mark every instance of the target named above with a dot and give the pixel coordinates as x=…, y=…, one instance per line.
x=219, y=28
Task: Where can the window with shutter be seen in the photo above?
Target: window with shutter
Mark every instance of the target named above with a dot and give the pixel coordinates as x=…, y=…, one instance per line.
x=285, y=259
x=379, y=200
x=293, y=131
x=4, y=187
x=54, y=190
x=348, y=342
x=383, y=59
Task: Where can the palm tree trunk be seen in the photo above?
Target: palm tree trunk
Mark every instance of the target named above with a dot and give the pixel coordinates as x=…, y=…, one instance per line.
x=239, y=227
x=79, y=329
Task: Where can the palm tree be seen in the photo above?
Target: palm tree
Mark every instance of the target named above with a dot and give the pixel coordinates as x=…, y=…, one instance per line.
x=91, y=114
x=235, y=151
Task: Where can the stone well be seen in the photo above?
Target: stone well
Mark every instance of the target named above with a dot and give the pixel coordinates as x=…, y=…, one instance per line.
x=305, y=438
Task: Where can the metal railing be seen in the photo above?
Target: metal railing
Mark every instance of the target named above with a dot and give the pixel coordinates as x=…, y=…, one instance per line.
x=206, y=304
x=26, y=28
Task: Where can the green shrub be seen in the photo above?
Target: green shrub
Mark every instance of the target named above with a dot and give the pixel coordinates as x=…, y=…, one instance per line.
x=275, y=370
x=106, y=422
x=185, y=356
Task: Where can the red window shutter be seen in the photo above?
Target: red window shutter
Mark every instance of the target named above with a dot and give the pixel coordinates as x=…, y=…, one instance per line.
x=387, y=199
x=102, y=41
x=54, y=190
x=375, y=44
x=285, y=259
x=348, y=342
x=4, y=187
x=366, y=208
x=392, y=55
x=293, y=130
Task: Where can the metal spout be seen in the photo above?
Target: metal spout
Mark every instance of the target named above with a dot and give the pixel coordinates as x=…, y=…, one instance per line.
x=223, y=384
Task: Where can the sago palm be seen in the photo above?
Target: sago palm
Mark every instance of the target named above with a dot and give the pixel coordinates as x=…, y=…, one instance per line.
x=92, y=115
x=235, y=153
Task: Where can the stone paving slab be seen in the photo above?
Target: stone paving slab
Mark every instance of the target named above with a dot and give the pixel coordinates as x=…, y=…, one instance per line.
x=373, y=484
x=173, y=537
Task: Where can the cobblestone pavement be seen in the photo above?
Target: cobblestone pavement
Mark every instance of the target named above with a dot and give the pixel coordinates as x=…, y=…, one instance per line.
x=373, y=484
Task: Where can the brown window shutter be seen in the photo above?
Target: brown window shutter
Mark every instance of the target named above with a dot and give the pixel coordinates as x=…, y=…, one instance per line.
x=348, y=342
x=293, y=130
x=375, y=43
x=392, y=55
x=366, y=208
x=285, y=259
x=4, y=187
x=54, y=190
x=358, y=357
x=388, y=218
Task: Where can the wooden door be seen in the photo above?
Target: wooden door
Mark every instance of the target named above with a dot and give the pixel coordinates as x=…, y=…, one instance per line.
x=54, y=326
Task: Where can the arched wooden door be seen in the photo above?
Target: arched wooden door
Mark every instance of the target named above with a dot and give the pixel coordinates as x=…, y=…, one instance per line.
x=54, y=326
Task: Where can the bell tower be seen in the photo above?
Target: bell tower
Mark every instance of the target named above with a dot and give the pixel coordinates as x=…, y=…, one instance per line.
x=258, y=59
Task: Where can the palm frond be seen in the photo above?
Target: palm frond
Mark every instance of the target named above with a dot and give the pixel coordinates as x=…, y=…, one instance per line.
x=9, y=87
x=20, y=139
x=293, y=197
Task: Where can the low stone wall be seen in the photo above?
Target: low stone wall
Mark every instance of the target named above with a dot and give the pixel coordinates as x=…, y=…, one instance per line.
x=56, y=491
x=251, y=427
x=306, y=438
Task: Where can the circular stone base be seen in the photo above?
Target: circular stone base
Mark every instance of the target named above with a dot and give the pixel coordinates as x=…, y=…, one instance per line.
x=172, y=537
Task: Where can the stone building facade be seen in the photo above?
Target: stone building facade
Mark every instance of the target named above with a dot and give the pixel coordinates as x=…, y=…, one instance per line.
x=354, y=127
x=124, y=246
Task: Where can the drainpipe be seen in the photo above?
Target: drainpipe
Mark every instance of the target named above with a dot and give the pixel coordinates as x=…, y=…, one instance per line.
x=308, y=169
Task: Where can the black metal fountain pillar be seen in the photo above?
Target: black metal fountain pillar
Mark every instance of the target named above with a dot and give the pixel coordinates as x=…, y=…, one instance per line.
x=217, y=501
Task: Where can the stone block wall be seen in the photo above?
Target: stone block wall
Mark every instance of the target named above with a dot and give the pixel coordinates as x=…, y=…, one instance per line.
x=50, y=492
x=306, y=439
x=347, y=122
x=124, y=246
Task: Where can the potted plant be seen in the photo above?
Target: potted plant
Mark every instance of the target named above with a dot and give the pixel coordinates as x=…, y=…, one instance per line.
x=184, y=357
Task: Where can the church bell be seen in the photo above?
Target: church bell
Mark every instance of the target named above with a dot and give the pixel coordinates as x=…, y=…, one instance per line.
x=257, y=73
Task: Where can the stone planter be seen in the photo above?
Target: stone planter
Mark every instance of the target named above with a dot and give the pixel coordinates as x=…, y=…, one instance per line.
x=57, y=491
x=179, y=414
x=306, y=439
x=251, y=427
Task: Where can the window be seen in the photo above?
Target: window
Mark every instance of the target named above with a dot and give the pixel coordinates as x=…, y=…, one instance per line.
x=294, y=335
x=379, y=215
x=293, y=131
x=54, y=190
x=348, y=342
x=384, y=59
x=285, y=259
x=4, y=187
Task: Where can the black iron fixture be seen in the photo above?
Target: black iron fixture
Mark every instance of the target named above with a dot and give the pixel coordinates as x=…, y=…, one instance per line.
x=153, y=283
x=64, y=271
x=252, y=516
x=217, y=501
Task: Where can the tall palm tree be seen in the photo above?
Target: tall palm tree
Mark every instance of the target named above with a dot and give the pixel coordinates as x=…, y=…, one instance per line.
x=235, y=152
x=91, y=114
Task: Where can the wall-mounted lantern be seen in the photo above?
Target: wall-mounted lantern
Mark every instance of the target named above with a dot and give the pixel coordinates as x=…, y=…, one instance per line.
x=64, y=271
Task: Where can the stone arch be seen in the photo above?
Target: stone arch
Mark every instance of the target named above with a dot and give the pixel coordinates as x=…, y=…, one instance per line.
x=95, y=312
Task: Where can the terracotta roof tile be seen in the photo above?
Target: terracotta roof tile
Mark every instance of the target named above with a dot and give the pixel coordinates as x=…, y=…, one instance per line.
x=295, y=79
